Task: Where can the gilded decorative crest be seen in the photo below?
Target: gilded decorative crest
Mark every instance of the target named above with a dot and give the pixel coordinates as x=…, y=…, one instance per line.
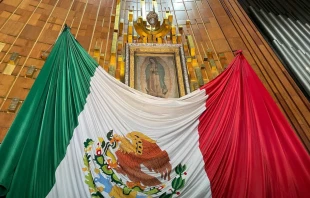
x=152, y=18
x=157, y=29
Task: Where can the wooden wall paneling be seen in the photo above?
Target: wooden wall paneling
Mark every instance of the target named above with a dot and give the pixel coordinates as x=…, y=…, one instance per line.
x=24, y=15
x=3, y=131
x=6, y=119
x=2, y=65
x=217, y=38
x=2, y=21
x=5, y=83
x=19, y=33
x=5, y=19
x=35, y=61
x=79, y=8
x=16, y=90
x=39, y=48
x=7, y=39
x=108, y=28
x=12, y=27
x=21, y=88
x=8, y=8
x=97, y=25
x=5, y=107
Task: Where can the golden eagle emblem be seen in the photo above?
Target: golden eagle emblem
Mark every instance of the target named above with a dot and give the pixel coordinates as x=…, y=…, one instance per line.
x=137, y=149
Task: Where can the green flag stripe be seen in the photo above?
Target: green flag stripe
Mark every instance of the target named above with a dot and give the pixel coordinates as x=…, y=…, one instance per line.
x=37, y=140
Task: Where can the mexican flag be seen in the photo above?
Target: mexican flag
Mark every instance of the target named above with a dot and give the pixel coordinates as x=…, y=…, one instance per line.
x=81, y=133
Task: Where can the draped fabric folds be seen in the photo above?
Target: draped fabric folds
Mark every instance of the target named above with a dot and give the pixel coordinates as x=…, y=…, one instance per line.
x=81, y=133
x=247, y=144
x=36, y=142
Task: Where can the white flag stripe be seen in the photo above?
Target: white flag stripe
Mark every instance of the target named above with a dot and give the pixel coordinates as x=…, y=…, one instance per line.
x=172, y=123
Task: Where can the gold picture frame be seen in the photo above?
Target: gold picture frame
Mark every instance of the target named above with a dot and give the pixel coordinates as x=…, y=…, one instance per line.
x=157, y=69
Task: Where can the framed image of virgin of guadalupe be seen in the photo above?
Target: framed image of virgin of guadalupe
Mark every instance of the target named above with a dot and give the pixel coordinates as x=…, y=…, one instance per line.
x=157, y=69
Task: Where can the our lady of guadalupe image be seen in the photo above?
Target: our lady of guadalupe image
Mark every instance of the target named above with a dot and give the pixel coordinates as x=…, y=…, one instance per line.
x=155, y=79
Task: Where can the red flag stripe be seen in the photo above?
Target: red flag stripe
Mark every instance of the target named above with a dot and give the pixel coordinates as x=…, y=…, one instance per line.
x=249, y=148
